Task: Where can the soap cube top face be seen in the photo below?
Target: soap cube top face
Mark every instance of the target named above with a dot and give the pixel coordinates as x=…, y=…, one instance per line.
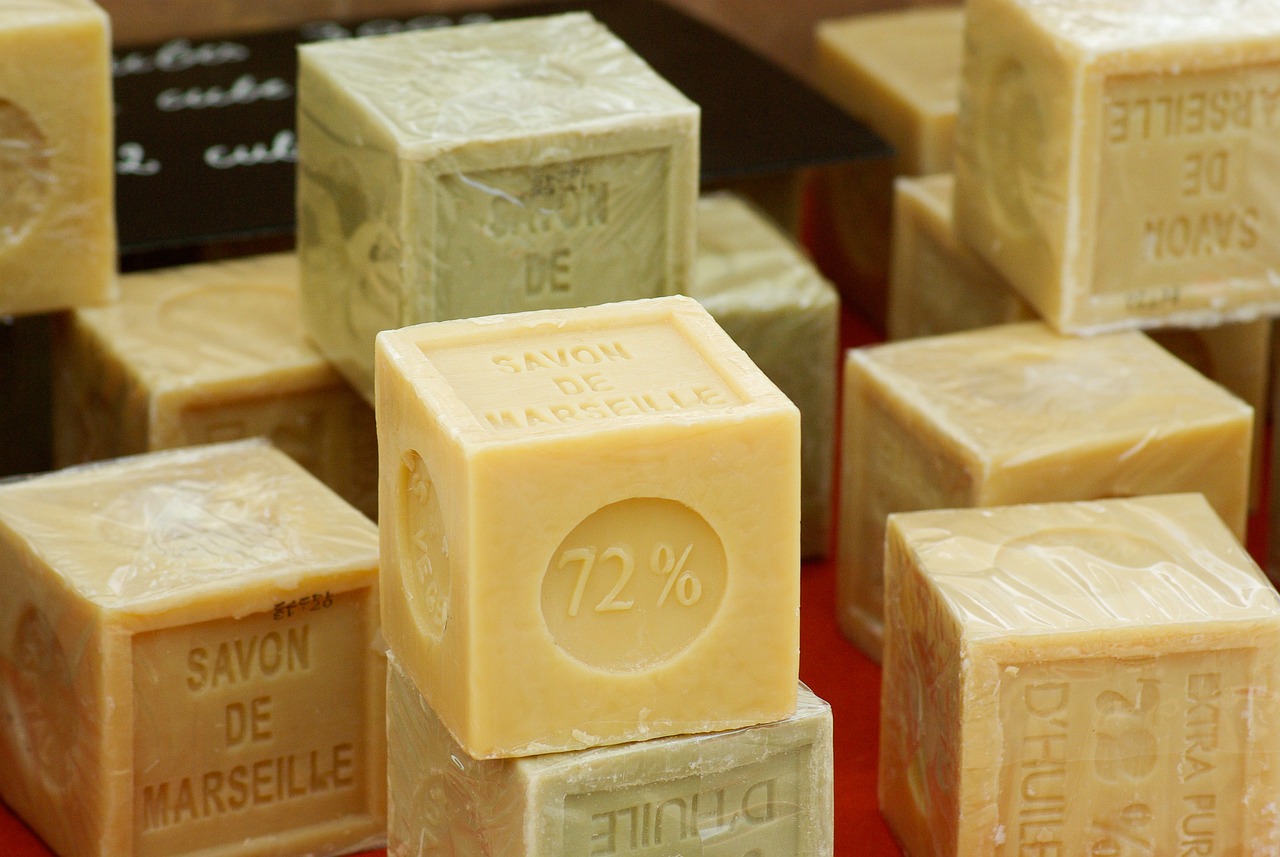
x=1114, y=162
x=765, y=787
x=1020, y=392
x=57, y=220
x=563, y=496
x=899, y=71
x=186, y=658
x=1093, y=671
x=509, y=379
x=434, y=91
x=187, y=528
x=180, y=329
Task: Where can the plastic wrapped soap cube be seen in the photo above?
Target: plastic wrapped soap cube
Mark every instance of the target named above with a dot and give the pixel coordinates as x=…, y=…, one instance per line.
x=206, y=353
x=490, y=168
x=1117, y=162
x=590, y=526
x=187, y=660
x=1020, y=414
x=763, y=789
x=1079, y=678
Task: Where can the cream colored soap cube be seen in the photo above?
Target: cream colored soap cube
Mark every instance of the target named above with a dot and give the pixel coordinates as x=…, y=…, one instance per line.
x=590, y=526
x=467, y=171
x=761, y=790
x=939, y=285
x=761, y=288
x=1117, y=162
x=57, y=163
x=205, y=353
x=1079, y=678
x=187, y=660
x=1020, y=414
x=898, y=71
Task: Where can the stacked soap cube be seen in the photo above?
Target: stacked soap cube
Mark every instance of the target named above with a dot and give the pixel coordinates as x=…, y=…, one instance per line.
x=590, y=534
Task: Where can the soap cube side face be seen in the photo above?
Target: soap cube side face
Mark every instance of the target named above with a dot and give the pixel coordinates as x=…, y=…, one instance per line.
x=1106, y=214
x=171, y=660
x=209, y=353
x=57, y=214
x=1116, y=666
x=568, y=499
x=1015, y=178
x=767, y=295
x=765, y=787
x=440, y=211
x=892, y=460
x=936, y=284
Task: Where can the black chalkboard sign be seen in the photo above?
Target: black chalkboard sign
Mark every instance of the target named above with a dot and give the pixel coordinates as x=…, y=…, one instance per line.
x=205, y=148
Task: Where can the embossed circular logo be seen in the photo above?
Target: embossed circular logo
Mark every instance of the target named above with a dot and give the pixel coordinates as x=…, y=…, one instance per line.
x=634, y=584
x=25, y=173
x=39, y=701
x=424, y=556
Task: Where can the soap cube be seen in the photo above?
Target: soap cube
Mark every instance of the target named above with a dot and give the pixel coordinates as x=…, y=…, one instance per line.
x=898, y=71
x=1079, y=678
x=766, y=294
x=57, y=161
x=1116, y=162
x=1020, y=414
x=204, y=353
x=461, y=172
x=939, y=285
x=187, y=661
x=761, y=790
x=591, y=526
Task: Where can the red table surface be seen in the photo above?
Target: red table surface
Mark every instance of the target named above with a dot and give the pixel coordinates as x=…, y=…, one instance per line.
x=829, y=664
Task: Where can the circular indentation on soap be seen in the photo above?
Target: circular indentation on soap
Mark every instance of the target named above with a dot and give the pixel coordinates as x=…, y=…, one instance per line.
x=634, y=584
x=1106, y=555
x=1010, y=145
x=26, y=174
x=265, y=315
x=39, y=700
x=424, y=553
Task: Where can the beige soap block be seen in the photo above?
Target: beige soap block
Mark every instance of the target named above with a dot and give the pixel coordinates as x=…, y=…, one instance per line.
x=204, y=353
x=939, y=285
x=1079, y=678
x=591, y=526
x=57, y=167
x=1020, y=414
x=899, y=72
x=766, y=294
x=518, y=165
x=761, y=790
x=187, y=659
x=1116, y=162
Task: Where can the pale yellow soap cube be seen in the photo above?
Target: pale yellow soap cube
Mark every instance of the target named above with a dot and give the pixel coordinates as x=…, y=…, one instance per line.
x=939, y=285
x=1079, y=678
x=527, y=164
x=766, y=294
x=187, y=661
x=898, y=71
x=590, y=526
x=1116, y=162
x=1020, y=414
x=764, y=789
x=57, y=165
x=204, y=353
